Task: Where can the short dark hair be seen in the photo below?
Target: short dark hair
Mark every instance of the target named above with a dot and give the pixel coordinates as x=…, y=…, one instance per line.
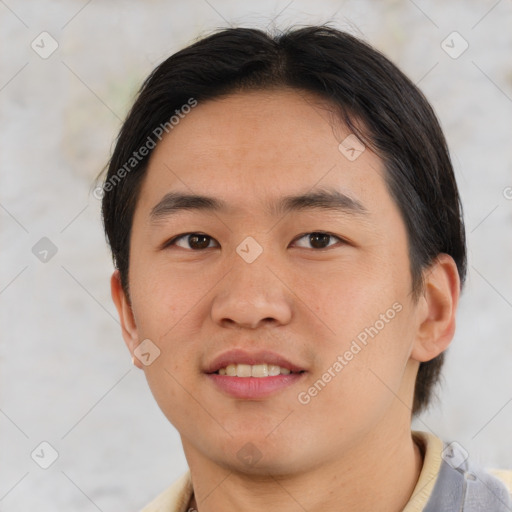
x=374, y=99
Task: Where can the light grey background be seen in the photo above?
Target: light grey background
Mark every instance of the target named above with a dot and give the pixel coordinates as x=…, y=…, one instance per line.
x=66, y=377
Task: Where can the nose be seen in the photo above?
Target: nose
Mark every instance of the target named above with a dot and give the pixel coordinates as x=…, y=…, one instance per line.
x=251, y=295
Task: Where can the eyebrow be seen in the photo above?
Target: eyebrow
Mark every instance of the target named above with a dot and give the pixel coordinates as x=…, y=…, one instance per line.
x=323, y=199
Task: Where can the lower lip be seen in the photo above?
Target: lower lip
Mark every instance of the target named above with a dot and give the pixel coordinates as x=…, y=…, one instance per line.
x=254, y=387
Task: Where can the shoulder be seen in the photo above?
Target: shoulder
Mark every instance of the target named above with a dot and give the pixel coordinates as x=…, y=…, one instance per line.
x=505, y=475
x=173, y=499
x=465, y=485
x=451, y=480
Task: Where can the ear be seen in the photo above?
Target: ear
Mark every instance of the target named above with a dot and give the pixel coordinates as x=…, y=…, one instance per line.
x=124, y=309
x=436, y=309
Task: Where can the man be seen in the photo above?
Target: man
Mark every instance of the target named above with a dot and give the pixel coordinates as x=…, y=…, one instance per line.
x=289, y=252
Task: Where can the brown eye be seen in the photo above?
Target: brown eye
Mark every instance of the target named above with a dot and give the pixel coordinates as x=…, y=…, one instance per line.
x=194, y=241
x=319, y=240
x=199, y=241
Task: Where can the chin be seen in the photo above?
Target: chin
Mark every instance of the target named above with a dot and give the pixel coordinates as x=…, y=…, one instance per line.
x=266, y=467
x=259, y=455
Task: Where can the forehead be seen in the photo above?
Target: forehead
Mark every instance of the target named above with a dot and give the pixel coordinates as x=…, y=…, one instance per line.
x=254, y=146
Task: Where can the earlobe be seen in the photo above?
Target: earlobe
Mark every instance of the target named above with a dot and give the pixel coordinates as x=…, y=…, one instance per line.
x=437, y=309
x=124, y=309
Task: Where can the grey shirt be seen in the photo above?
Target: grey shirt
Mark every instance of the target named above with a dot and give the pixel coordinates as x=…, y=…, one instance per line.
x=462, y=486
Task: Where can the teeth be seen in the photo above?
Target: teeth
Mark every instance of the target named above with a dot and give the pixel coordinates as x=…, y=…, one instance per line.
x=274, y=370
x=243, y=370
x=259, y=370
x=255, y=370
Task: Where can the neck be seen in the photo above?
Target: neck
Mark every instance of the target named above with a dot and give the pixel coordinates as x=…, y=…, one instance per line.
x=379, y=473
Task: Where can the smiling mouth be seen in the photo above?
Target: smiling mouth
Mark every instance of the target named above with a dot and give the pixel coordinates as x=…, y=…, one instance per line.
x=255, y=370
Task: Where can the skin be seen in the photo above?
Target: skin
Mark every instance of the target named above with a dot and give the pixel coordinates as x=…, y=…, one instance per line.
x=350, y=448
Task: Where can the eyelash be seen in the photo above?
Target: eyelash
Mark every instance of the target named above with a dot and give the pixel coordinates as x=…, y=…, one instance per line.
x=184, y=235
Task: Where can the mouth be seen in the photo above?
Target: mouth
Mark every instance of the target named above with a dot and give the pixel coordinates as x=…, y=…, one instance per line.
x=258, y=371
x=245, y=375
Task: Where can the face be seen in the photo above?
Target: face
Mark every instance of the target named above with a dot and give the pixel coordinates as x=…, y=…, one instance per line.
x=297, y=261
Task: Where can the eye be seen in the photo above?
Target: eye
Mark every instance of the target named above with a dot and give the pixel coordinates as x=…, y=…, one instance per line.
x=318, y=240
x=194, y=241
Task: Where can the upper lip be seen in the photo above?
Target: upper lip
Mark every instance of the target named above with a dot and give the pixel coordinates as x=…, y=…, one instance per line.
x=240, y=356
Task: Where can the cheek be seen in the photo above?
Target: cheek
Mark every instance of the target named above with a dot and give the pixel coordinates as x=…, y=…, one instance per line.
x=352, y=301
x=162, y=297
x=367, y=345
x=172, y=378
x=367, y=379
x=371, y=319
